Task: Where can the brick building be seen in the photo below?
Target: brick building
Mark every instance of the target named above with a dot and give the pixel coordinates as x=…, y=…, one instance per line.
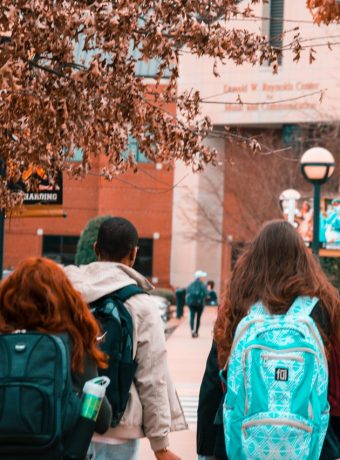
x=145, y=198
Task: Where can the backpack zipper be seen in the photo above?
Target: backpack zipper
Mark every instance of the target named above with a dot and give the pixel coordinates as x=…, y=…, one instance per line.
x=277, y=421
x=288, y=357
x=263, y=347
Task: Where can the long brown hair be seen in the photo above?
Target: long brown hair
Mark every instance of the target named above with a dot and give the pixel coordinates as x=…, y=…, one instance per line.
x=275, y=268
x=39, y=297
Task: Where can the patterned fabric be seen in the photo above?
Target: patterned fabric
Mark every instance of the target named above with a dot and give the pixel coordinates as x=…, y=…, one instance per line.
x=276, y=404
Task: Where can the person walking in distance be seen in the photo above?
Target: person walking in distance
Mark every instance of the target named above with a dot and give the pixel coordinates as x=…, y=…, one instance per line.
x=153, y=408
x=212, y=299
x=195, y=299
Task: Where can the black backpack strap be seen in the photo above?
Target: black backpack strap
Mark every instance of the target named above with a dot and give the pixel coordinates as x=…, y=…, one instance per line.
x=117, y=325
x=127, y=292
x=321, y=317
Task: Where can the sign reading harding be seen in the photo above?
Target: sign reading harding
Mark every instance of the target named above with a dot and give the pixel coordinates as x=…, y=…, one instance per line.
x=43, y=192
x=46, y=197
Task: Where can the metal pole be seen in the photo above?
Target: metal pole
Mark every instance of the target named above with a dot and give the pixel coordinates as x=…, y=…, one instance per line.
x=316, y=219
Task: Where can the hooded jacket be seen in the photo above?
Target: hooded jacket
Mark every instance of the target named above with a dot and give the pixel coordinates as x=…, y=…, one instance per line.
x=153, y=409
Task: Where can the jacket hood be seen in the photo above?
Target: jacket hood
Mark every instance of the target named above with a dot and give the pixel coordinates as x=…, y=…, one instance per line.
x=101, y=278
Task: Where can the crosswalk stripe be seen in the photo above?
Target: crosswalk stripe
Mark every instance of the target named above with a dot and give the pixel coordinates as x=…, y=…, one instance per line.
x=189, y=405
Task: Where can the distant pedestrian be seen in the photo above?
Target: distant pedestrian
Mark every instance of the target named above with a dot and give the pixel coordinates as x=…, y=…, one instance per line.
x=196, y=294
x=279, y=322
x=211, y=299
x=153, y=408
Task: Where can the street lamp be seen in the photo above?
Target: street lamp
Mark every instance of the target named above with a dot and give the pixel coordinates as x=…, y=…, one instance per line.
x=317, y=166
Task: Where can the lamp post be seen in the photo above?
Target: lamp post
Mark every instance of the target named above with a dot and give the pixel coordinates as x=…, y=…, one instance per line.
x=317, y=166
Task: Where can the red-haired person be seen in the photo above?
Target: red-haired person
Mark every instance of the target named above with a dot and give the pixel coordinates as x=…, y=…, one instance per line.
x=38, y=297
x=275, y=269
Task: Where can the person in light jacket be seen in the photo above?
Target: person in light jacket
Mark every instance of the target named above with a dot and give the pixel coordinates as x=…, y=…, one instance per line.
x=153, y=409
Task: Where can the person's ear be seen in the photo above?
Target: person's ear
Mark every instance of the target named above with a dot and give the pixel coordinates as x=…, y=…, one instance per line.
x=133, y=255
x=96, y=251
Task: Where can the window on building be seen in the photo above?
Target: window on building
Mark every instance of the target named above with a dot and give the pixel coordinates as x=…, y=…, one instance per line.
x=292, y=136
x=134, y=147
x=60, y=248
x=276, y=24
x=144, y=260
x=146, y=68
x=77, y=154
x=304, y=136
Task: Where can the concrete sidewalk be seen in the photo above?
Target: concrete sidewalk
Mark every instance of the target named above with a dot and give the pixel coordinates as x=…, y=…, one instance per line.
x=186, y=358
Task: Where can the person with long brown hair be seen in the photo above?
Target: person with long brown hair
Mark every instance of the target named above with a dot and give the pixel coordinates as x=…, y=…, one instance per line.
x=38, y=297
x=274, y=269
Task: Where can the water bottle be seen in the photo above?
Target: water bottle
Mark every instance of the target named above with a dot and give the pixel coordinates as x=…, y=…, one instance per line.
x=93, y=394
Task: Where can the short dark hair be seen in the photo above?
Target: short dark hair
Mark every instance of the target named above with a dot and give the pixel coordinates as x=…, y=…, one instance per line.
x=211, y=284
x=116, y=238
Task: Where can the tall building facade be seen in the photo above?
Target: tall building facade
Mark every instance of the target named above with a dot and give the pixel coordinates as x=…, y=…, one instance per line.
x=286, y=113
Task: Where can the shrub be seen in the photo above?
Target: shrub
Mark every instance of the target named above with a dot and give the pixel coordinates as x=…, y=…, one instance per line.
x=85, y=253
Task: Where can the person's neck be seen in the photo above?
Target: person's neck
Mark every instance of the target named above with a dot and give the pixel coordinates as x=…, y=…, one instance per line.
x=124, y=261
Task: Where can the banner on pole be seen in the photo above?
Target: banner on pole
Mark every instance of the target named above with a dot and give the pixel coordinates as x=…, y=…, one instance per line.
x=329, y=235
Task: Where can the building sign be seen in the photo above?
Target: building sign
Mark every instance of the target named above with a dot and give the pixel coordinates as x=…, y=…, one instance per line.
x=43, y=192
x=241, y=95
x=329, y=234
x=274, y=96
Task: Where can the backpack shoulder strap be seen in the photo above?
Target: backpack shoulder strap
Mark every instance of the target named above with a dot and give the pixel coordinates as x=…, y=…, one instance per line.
x=257, y=309
x=105, y=305
x=303, y=306
x=126, y=292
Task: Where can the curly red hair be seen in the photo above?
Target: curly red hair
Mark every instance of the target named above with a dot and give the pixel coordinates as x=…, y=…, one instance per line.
x=38, y=296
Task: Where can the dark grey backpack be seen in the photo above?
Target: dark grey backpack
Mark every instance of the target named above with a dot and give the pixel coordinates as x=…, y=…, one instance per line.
x=38, y=407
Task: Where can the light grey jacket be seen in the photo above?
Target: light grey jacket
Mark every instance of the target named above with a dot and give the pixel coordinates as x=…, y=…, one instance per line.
x=153, y=408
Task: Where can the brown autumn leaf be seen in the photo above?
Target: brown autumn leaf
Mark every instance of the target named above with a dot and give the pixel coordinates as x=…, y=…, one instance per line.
x=325, y=11
x=68, y=81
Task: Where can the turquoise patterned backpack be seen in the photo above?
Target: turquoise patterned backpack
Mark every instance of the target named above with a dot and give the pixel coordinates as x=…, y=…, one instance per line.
x=276, y=404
